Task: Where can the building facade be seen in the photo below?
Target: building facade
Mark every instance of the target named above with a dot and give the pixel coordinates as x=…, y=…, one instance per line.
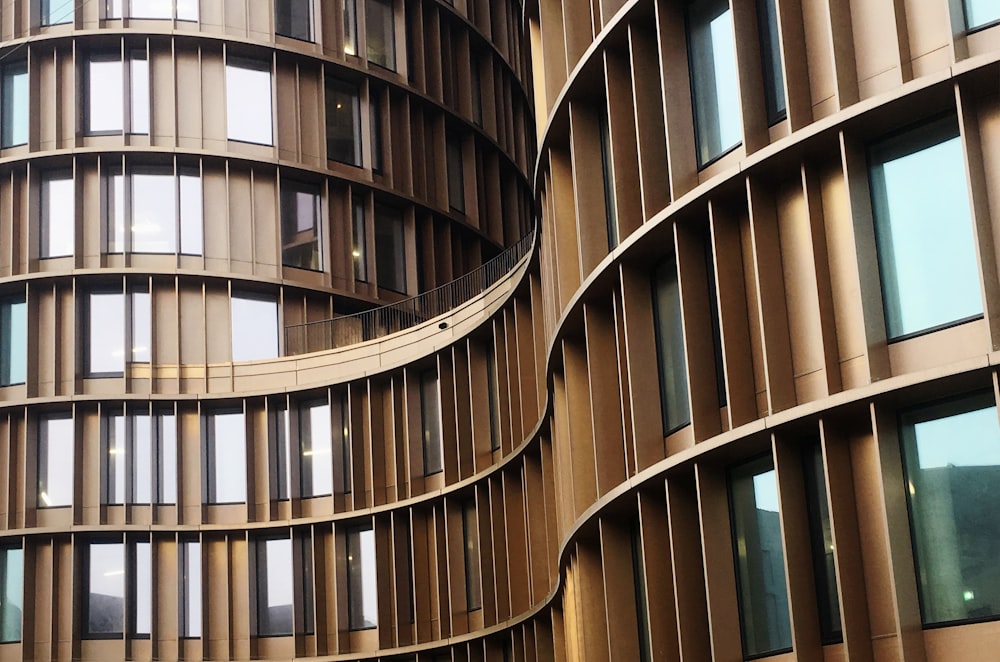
x=734, y=399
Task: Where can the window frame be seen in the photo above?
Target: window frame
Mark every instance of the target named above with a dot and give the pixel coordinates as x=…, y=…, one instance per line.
x=290, y=198
x=13, y=363
x=211, y=464
x=310, y=19
x=5, y=604
x=46, y=209
x=13, y=85
x=67, y=448
x=235, y=108
x=131, y=310
x=672, y=421
x=366, y=567
x=256, y=355
x=162, y=452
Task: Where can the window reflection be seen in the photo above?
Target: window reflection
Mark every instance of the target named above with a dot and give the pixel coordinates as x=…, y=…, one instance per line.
x=11, y=593
x=55, y=461
x=254, y=328
x=316, y=448
x=430, y=421
x=380, y=33
x=389, y=249
x=151, y=210
x=343, y=122
x=14, y=105
x=53, y=12
x=13, y=341
x=362, y=600
x=226, y=459
x=190, y=590
x=140, y=458
x=106, y=588
x=981, y=13
x=713, y=78
x=770, y=47
x=300, y=226
x=112, y=343
x=57, y=213
x=248, y=101
x=274, y=587
x=359, y=251
x=670, y=349
x=293, y=18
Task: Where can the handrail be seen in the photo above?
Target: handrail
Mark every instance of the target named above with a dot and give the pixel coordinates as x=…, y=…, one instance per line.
x=378, y=322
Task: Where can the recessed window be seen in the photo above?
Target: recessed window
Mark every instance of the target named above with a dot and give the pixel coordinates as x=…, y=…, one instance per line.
x=300, y=226
x=248, y=101
x=293, y=18
x=980, y=13
x=350, y=27
x=951, y=455
x=608, y=173
x=110, y=101
x=14, y=105
x=770, y=53
x=760, y=559
x=316, y=448
x=53, y=12
x=11, y=593
x=456, y=172
x=670, y=353
x=57, y=215
x=13, y=341
x=920, y=200
x=275, y=586
x=343, y=122
x=119, y=331
x=189, y=599
x=430, y=422
x=359, y=249
x=712, y=58
x=55, y=461
x=493, y=394
x=473, y=574
x=225, y=466
x=182, y=10
x=389, y=249
x=821, y=537
x=109, y=575
x=140, y=458
x=362, y=586
x=380, y=33
x=153, y=211
x=375, y=111
x=254, y=328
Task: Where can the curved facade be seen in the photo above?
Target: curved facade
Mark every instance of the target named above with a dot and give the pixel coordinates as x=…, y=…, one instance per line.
x=738, y=402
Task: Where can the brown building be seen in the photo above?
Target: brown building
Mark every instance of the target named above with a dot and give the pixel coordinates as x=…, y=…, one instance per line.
x=280, y=379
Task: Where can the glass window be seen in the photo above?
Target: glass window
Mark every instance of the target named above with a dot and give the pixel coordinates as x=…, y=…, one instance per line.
x=255, y=328
x=980, y=13
x=106, y=589
x=300, y=226
x=770, y=53
x=350, y=27
x=760, y=559
x=105, y=95
x=248, y=101
x=389, y=249
x=821, y=536
x=920, y=201
x=456, y=172
x=493, y=393
x=951, y=454
x=608, y=171
x=375, y=109
x=140, y=454
x=190, y=589
x=279, y=453
x=11, y=593
x=293, y=18
x=343, y=122
x=362, y=586
x=641, y=595
x=430, y=422
x=670, y=348
x=359, y=250
x=57, y=212
x=53, y=12
x=55, y=461
x=473, y=574
x=477, y=90
x=183, y=10
x=13, y=341
x=380, y=33
x=714, y=86
x=14, y=105
x=111, y=343
x=226, y=458
x=160, y=207
x=274, y=587
x=316, y=447
x=141, y=609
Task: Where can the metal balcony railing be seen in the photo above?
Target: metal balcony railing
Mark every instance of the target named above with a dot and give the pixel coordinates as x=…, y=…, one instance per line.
x=381, y=321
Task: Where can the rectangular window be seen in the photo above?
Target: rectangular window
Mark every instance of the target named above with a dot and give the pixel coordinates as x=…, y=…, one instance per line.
x=951, y=453
x=770, y=53
x=430, y=422
x=53, y=12
x=608, y=171
x=981, y=13
x=190, y=589
x=316, y=448
x=641, y=596
x=141, y=589
x=760, y=559
x=293, y=18
x=456, y=172
x=473, y=574
x=714, y=87
x=380, y=33
x=359, y=251
x=161, y=211
x=280, y=453
x=13, y=341
x=493, y=393
x=670, y=350
x=14, y=105
x=821, y=537
x=11, y=593
x=350, y=27
x=225, y=458
x=300, y=226
x=343, y=122
x=362, y=585
x=182, y=10
x=105, y=589
x=140, y=454
x=254, y=328
x=57, y=215
x=375, y=110
x=274, y=587
x=390, y=266
x=113, y=343
x=55, y=461
x=920, y=201
x=248, y=101
x=110, y=101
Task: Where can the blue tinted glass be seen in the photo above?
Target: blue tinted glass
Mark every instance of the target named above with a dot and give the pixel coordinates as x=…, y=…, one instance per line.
x=14, y=115
x=13, y=342
x=12, y=594
x=56, y=11
x=981, y=12
x=713, y=78
x=923, y=226
x=952, y=457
